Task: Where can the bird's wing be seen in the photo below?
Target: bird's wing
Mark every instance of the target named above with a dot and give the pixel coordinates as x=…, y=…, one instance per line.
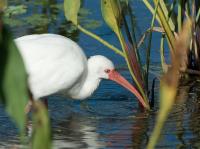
x=53, y=62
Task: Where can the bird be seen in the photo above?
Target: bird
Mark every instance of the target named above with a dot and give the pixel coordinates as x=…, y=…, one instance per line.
x=56, y=64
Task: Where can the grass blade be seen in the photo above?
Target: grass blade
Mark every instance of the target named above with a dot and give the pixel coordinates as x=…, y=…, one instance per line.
x=162, y=57
x=180, y=3
x=149, y=46
x=170, y=80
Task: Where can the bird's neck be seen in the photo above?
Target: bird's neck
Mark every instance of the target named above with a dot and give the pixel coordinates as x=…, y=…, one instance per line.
x=88, y=85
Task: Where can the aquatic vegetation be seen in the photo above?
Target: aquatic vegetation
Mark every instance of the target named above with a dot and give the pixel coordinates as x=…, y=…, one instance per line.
x=182, y=43
x=177, y=36
x=170, y=81
x=112, y=14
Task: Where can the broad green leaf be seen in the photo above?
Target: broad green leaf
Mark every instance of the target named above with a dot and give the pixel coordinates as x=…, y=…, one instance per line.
x=41, y=127
x=13, y=79
x=112, y=14
x=71, y=8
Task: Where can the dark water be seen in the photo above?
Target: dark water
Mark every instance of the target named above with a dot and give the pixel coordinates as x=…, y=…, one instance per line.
x=110, y=118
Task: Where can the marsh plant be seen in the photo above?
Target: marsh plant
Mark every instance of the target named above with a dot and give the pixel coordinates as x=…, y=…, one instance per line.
x=183, y=47
x=177, y=22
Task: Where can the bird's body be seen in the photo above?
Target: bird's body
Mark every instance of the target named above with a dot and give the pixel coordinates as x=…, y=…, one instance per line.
x=57, y=64
x=53, y=63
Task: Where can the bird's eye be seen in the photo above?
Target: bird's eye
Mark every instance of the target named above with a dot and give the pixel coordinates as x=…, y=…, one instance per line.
x=107, y=70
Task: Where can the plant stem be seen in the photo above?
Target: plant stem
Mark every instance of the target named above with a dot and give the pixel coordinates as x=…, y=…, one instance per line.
x=149, y=47
x=162, y=57
x=198, y=14
x=101, y=40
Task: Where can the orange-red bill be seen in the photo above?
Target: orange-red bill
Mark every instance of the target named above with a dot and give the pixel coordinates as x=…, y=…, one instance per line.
x=115, y=76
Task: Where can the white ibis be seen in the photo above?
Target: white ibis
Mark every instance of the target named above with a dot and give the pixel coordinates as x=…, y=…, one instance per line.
x=57, y=64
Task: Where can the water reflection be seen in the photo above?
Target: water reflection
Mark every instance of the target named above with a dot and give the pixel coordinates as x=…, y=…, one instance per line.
x=80, y=132
x=81, y=127
x=76, y=131
x=194, y=116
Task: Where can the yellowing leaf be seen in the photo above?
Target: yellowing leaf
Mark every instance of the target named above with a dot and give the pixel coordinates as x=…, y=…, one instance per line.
x=167, y=96
x=111, y=13
x=169, y=82
x=71, y=8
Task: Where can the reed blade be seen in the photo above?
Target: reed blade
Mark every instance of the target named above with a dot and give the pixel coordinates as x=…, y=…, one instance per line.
x=169, y=82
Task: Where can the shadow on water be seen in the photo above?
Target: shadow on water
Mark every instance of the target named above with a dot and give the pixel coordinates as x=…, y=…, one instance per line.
x=110, y=118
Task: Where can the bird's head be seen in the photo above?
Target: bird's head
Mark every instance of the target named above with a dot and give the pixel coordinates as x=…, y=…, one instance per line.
x=104, y=69
x=100, y=66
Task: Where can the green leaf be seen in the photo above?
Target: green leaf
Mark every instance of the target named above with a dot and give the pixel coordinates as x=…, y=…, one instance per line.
x=112, y=14
x=13, y=79
x=71, y=8
x=41, y=126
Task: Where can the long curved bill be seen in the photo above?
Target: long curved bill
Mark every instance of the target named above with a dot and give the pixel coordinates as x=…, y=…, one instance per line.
x=115, y=76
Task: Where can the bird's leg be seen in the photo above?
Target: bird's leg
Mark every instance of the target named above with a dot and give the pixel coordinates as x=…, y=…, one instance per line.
x=45, y=102
x=29, y=106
